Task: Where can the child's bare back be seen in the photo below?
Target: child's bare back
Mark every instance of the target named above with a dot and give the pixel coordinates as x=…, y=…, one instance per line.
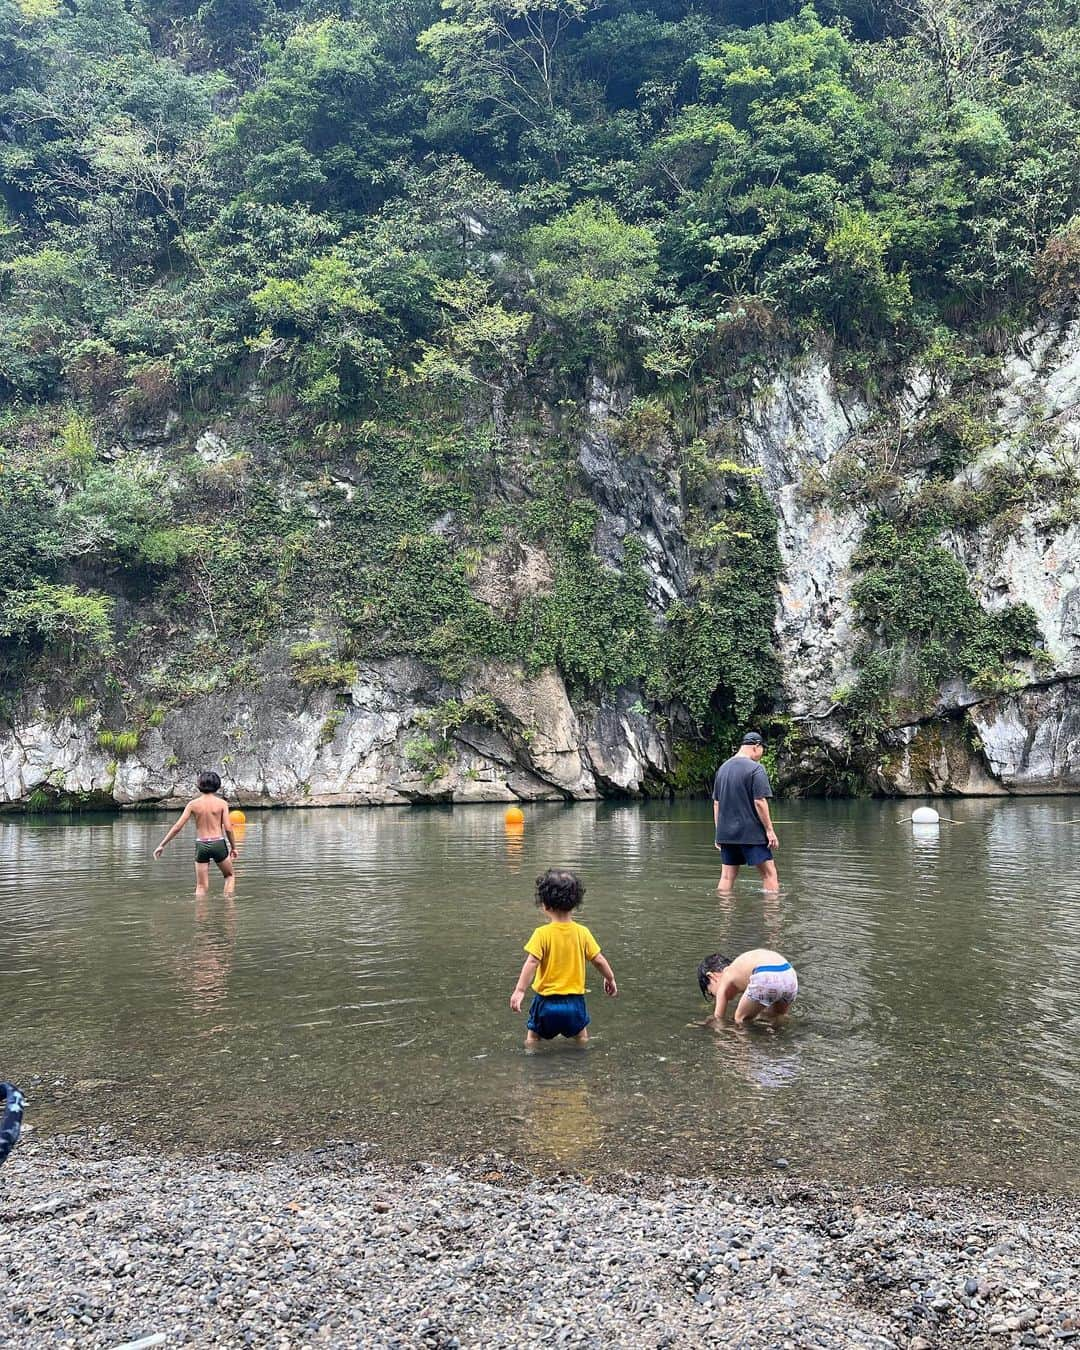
x=762, y=980
x=211, y=816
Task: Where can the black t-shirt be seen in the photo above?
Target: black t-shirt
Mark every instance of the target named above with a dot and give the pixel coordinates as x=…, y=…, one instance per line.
x=739, y=781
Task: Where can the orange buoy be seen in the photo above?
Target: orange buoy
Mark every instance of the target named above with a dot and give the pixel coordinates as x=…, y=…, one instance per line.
x=237, y=818
x=514, y=816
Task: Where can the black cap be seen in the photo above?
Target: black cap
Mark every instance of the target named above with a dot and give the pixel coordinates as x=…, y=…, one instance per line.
x=752, y=738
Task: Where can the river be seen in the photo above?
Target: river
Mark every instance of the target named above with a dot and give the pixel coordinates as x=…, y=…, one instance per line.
x=357, y=987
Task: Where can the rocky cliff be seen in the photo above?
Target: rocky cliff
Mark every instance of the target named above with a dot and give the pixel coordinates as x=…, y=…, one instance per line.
x=1023, y=738
x=397, y=730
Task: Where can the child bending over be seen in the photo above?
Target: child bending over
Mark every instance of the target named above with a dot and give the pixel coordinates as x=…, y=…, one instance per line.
x=763, y=982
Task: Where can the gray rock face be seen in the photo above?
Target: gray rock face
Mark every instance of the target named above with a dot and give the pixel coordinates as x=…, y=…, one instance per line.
x=799, y=422
x=971, y=743
x=371, y=743
x=366, y=745
x=637, y=496
x=1031, y=741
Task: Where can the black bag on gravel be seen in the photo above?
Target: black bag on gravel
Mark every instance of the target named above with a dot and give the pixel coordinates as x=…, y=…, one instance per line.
x=11, y=1125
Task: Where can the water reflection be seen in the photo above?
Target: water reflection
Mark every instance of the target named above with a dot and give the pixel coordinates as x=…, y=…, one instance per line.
x=212, y=952
x=366, y=960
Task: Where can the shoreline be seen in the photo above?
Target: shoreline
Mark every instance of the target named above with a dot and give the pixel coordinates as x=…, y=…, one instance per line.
x=20, y=808
x=105, y=1245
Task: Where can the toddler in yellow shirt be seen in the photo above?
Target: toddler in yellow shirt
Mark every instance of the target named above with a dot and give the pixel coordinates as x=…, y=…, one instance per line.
x=557, y=952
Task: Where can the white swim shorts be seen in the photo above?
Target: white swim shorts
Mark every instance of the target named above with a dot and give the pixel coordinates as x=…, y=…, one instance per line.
x=773, y=984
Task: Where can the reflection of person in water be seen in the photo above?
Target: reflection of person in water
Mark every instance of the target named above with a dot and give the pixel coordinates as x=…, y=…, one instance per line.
x=728, y=904
x=212, y=953
x=762, y=1061
x=564, y=1124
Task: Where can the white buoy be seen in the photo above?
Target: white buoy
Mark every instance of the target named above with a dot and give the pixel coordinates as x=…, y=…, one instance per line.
x=924, y=815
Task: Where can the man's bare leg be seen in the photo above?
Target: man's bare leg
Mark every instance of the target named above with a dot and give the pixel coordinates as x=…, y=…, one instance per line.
x=202, y=878
x=728, y=873
x=770, y=881
x=229, y=873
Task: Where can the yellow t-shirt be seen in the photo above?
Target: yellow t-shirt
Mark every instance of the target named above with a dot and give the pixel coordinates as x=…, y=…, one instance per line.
x=562, y=950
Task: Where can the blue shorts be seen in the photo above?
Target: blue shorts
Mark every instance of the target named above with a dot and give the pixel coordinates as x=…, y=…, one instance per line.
x=735, y=855
x=558, y=1015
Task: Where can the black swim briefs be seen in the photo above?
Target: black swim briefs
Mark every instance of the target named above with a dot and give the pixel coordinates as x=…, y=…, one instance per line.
x=211, y=850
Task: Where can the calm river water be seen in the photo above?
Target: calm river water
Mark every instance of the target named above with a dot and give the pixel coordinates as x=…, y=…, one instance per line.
x=358, y=988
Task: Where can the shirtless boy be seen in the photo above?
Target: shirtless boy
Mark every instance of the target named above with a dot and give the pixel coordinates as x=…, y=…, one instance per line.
x=762, y=980
x=213, y=834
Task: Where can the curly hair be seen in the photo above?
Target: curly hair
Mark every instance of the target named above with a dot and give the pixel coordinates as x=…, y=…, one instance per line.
x=710, y=966
x=559, y=890
x=209, y=781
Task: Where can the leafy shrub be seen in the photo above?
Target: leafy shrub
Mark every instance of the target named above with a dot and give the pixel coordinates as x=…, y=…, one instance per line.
x=1057, y=266
x=54, y=614
x=328, y=730
x=315, y=666
x=594, y=275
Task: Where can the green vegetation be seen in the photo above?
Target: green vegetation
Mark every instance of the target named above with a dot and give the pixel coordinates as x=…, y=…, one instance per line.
x=913, y=600
x=328, y=730
x=389, y=252
x=314, y=666
x=119, y=743
x=432, y=751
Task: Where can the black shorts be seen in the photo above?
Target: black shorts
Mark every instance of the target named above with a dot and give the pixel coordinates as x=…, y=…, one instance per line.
x=211, y=850
x=750, y=855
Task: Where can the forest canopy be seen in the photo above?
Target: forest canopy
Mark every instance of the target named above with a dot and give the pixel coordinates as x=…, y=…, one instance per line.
x=190, y=187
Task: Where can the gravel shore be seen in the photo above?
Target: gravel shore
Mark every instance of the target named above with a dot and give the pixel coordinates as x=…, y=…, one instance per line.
x=333, y=1247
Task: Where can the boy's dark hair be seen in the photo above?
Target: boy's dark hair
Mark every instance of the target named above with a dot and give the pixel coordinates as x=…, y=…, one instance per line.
x=559, y=890
x=209, y=781
x=716, y=962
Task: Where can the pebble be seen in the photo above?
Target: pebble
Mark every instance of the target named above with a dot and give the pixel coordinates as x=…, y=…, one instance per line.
x=333, y=1248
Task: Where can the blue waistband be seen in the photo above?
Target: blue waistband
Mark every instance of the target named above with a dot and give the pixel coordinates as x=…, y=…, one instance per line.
x=785, y=966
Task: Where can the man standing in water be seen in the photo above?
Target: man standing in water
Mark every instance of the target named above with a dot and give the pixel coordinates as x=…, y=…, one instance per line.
x=744, y=832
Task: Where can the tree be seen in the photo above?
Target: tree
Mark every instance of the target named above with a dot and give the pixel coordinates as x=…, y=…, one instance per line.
x=594, y=276
x=499, y=64
x=966, y=42
x=325, y=121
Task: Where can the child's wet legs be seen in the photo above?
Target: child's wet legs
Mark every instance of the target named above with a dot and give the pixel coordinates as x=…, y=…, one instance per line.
x=229, y=873
x=747, y=1010
x=776, y=1014
x=202, y=878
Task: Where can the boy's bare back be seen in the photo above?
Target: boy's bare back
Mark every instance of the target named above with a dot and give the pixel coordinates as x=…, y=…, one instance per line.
x=211, y=814
x=762, y=980
x=742, y=967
